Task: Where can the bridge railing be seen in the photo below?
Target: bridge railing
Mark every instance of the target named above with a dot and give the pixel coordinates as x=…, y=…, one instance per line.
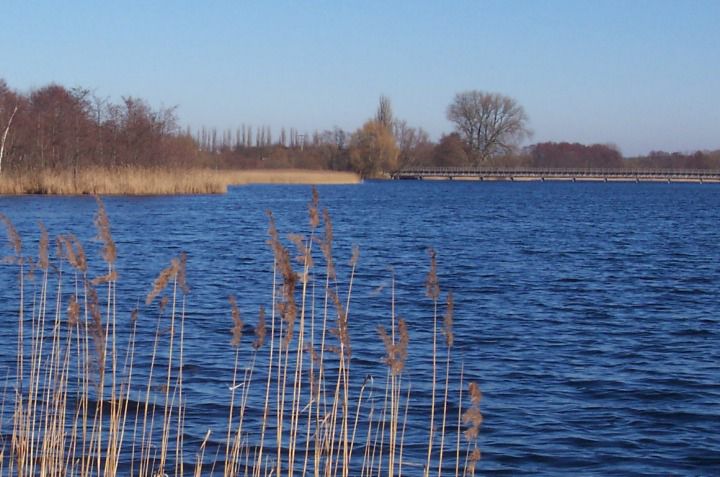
x=552, y=172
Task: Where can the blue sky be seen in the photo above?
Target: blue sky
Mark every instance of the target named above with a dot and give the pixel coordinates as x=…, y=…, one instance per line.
x=640, y=74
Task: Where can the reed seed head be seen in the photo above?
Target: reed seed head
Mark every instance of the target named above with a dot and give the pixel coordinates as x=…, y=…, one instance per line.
x=103, y=225
x=355, y=256
x=163, y=303
x=44, y=248
x=287, y=307
x=260, y=330
x=73, y=311
x=182, y=273
x=313, y=209
x=387, y=341
x=162, y=280
x=432, y=285
x=60, y=247
x=13, y=236
x=396, y=352
x=31, y=265
x=304, y=257
x=473, y=418
x=404, y=341
x=475, y=393
x=75, y=253
x=473, y=459
x=237, y=329
x=108, y=278
x=341, y=331
x=326, y=245
x=96, y=327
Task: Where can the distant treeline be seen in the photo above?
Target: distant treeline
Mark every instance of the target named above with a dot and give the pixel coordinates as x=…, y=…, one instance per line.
x=67, y=129
x=566, y=155
x=56, y=128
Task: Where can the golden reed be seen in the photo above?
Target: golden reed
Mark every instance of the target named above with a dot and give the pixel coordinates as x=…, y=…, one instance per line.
x=77, y=406
x=160, y=181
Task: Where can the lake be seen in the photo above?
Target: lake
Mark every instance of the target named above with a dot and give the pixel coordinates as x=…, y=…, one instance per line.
x=588, y=313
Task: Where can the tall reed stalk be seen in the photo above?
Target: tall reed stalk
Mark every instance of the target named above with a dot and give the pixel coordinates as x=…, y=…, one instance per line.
x=82, y=402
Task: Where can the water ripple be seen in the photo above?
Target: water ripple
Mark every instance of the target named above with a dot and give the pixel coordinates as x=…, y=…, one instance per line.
x=587, y=312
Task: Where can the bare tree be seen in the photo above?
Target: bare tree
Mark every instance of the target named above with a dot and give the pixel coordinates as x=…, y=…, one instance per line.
x=5, y=134
x=384, y=113
x=227, y=139
x=490, y=123
x=408, y=140
x=268, y=136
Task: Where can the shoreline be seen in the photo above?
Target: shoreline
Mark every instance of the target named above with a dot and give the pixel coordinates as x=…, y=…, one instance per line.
x=134, y=181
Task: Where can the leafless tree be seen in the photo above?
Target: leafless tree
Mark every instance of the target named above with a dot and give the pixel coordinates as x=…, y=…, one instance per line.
x=490, y=123
x=268, y=136
x=5, y=134
x=384, y=113
x=408, y=140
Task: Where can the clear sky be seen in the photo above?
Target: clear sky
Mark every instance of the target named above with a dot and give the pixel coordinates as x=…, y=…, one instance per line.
x=640, y=74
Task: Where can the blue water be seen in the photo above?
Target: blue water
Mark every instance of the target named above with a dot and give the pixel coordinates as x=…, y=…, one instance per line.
x=588, y=313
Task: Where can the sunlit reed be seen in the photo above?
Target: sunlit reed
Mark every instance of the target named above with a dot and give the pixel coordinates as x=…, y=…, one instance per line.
x=159, y=181
x=71, y=409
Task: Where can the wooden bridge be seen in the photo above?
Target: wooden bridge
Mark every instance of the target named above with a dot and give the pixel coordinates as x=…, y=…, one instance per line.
x=556, y=174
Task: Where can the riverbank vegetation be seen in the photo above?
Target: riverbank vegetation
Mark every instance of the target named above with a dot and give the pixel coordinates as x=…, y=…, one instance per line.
x=54, y=130
x=136, y=180
x=99, y=385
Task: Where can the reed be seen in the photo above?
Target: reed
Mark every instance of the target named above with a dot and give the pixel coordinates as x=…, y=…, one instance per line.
x=289, y=176
x=159, y=181
x=81, y=404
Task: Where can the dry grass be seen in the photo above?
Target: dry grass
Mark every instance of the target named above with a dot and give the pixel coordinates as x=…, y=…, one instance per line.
x=158, y=181
x=289, y=176
x=75, y=405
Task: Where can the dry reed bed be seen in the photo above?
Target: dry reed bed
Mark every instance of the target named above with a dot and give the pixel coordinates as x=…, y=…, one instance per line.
x=159, y=181
x=77, y=406
x=289, y=176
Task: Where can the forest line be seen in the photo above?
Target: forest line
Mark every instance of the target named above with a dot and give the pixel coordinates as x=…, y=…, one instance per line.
x=54, y=128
